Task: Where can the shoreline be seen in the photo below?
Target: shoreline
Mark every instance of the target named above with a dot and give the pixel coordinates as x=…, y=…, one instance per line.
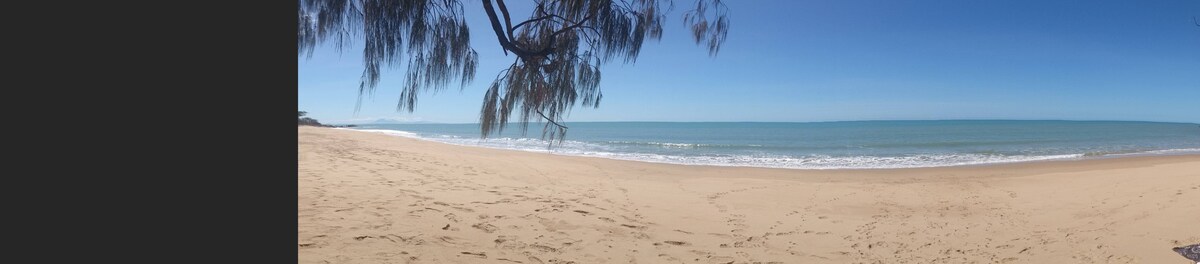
x=374, y=198
x=1081, y=157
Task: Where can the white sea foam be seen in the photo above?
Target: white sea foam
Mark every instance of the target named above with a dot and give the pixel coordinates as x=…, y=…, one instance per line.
x=831, y=162
x=607, y=150
x=577, y=148
x=679, y=145
x=1175, y=151
x=392, y=132
x=1157, y=152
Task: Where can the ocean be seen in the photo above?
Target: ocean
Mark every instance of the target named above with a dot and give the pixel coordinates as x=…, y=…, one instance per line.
x=832, y=145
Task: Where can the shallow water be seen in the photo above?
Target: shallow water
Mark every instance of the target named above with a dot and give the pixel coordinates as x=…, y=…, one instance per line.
x=833, y=145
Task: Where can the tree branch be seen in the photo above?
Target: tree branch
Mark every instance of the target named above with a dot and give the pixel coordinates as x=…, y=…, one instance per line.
x=507, y=20
x=507, y=41
x=550, y=120
x=550, y=44
x=580, y=24
x=533, y=20
x=542, y=10
x=491, y=13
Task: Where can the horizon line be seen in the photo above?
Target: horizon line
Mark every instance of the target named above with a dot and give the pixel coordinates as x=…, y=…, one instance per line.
x=835, y=121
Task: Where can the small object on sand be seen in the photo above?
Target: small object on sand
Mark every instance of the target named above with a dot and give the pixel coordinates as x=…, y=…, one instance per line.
x=1191, y=252
x=446, y=227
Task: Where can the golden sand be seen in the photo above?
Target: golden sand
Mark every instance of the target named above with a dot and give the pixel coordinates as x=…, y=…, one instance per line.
x=372, y=198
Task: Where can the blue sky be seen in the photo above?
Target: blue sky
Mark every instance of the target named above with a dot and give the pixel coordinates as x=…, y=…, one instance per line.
x=800, y=61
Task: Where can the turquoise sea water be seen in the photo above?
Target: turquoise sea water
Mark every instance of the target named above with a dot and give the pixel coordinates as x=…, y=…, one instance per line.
x=833, y=145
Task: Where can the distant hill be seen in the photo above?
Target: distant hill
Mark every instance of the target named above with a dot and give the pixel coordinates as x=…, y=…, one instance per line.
x=308, y=121
x=381, y=121
x=396, y=121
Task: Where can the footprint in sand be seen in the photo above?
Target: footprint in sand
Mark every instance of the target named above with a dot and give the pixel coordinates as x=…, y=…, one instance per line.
x=487, y=228
x=477, y=254
x=677, y=243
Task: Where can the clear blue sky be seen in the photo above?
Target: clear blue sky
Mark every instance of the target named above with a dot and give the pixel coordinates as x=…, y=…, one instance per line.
x=852, y=60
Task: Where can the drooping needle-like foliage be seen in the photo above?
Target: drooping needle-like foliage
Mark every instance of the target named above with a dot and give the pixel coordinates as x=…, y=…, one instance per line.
x=559, y=48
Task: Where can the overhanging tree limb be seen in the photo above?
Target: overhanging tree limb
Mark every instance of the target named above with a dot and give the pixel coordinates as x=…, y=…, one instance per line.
x=560, y=47
x=533, y=20
x=505, y=44
x=507, y=20
x=549, y=48
x=551, y=120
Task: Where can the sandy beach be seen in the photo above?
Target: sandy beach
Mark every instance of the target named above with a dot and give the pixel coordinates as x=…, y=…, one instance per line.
x=373, y=198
